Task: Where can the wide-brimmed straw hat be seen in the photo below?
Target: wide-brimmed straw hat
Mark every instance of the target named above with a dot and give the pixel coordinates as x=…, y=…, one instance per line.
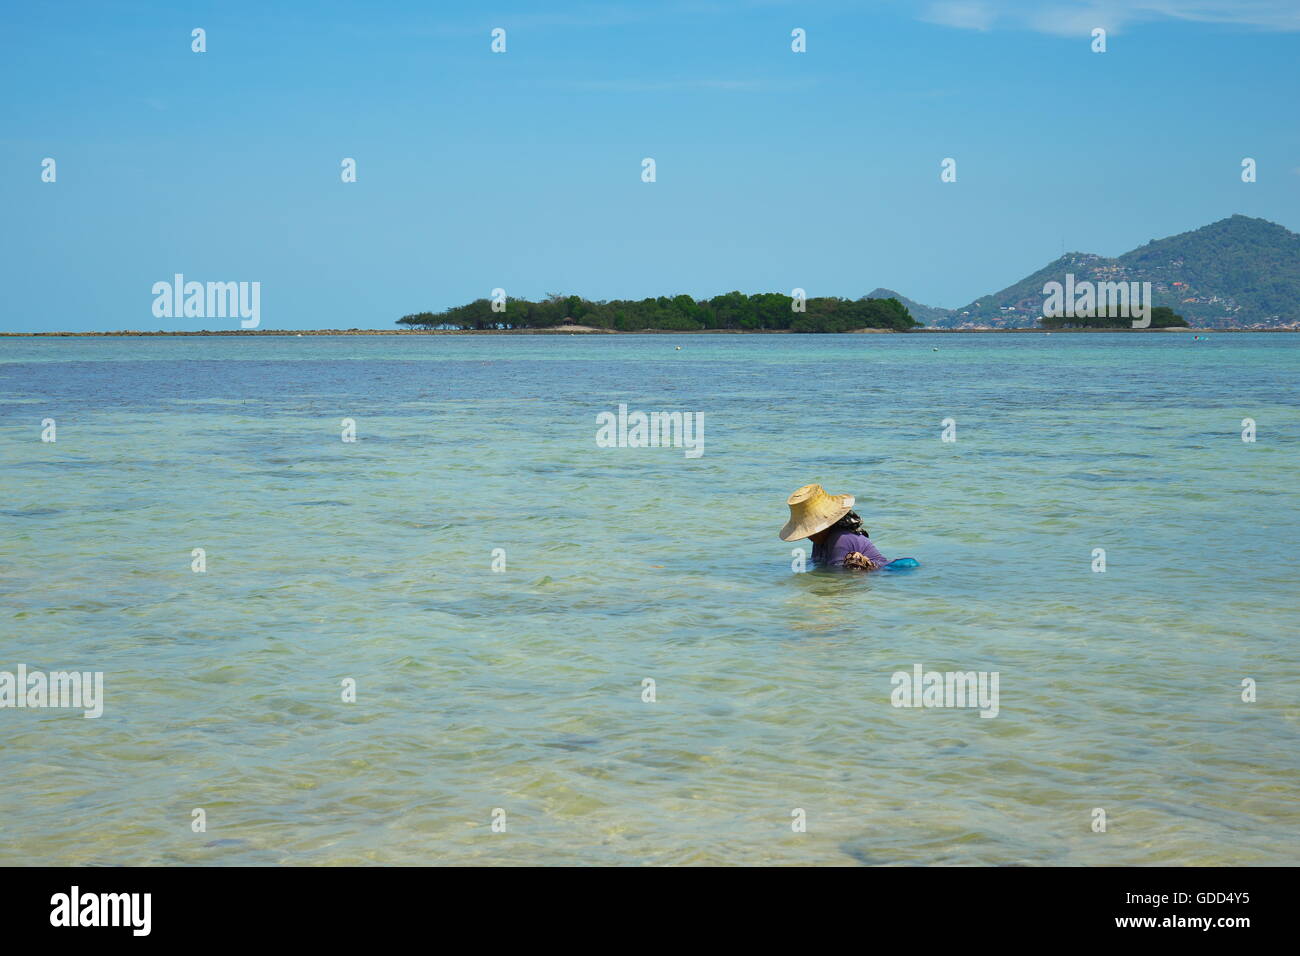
x=813, y=510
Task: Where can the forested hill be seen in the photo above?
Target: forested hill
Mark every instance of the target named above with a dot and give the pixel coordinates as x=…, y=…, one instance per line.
x=732, y=311
x=1235, y=273
x=925, y=314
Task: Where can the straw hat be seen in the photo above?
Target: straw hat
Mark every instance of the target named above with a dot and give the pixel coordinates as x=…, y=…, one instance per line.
x=813, y=510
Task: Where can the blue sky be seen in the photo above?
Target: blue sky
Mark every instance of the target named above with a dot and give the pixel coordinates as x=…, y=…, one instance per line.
x=522, y=170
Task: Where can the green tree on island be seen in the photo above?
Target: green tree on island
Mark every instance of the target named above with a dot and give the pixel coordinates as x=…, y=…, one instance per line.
x=680, y=313
x=1162, y=317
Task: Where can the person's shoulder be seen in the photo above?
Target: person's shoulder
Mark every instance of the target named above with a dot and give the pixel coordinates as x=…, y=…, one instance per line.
x=851, y=541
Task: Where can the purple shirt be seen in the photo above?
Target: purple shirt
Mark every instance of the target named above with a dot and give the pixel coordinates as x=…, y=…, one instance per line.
x=837, y=544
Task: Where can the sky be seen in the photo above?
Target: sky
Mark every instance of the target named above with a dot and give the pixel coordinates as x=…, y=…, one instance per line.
x=522, y=170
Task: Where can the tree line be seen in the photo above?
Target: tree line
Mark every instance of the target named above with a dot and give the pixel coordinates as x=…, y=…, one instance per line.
x=679, y=313
x=1162, y=317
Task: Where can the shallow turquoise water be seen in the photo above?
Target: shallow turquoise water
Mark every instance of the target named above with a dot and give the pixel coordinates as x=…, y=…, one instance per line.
x=522, y=689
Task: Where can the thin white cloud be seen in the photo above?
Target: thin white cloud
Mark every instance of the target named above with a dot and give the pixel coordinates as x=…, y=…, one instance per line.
x=962, y=14
x=1079, y=17
x=1270, y=14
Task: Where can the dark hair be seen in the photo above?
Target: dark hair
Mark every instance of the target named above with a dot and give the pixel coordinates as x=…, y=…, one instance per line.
x=851, y=523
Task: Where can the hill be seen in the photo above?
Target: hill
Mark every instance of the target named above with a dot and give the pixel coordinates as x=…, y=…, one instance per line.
x=925, y=314
x=1235, y=273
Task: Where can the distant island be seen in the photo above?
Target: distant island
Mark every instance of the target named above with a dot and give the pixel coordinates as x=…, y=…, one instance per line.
x=1162, y=317
x=732, y=312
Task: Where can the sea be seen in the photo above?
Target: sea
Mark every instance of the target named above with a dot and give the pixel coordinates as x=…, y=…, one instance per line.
x=388, y=600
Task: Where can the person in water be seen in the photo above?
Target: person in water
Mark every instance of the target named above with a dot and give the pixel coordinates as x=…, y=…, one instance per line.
x=835, y=529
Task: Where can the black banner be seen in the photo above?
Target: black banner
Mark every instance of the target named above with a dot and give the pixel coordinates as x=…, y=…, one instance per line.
x=964, y=906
